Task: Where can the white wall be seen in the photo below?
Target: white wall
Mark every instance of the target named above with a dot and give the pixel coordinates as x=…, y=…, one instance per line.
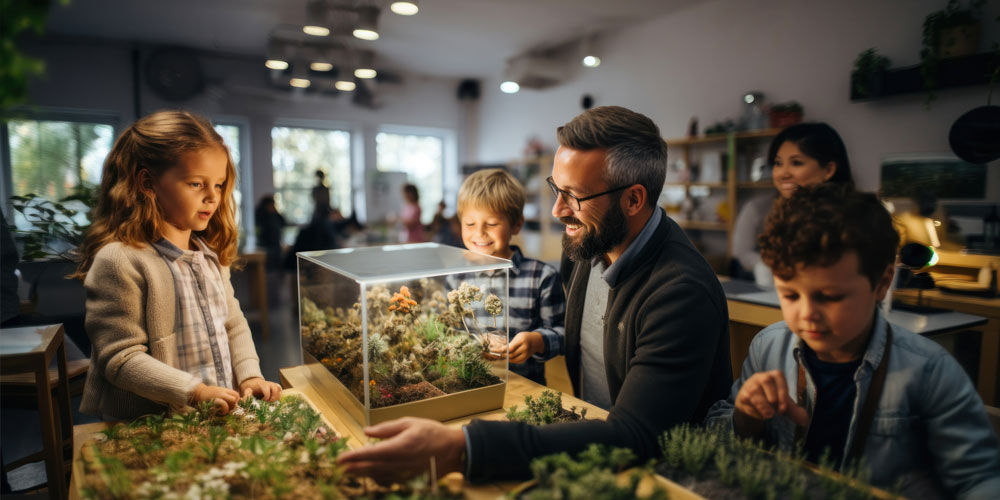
x=97, y=75
x=700, y=61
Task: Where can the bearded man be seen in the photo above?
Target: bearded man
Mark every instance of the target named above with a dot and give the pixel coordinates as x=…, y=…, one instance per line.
x=647, y=333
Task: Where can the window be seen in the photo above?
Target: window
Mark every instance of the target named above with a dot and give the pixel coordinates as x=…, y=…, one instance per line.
x=421, y=158
x=51, y=158
x=244, y=208
x=296, y=154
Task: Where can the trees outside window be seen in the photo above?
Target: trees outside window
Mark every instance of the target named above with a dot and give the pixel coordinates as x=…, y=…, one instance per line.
x=296, y=154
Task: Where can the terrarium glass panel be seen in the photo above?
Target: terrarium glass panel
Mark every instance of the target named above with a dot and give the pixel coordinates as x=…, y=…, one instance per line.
x=405, y=330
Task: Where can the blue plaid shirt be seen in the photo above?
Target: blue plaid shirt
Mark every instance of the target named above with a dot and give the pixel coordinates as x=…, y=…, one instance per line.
x=537, y=304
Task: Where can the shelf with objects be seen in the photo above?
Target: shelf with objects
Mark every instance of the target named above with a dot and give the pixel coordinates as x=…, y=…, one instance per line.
x=709, y=178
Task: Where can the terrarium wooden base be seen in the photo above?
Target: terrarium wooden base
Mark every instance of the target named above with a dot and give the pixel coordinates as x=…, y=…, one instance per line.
x=440, y=408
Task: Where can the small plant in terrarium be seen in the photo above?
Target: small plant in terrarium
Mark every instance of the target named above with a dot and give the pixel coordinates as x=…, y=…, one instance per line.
x=420, y=343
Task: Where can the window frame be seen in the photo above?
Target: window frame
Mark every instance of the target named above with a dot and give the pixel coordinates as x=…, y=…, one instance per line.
x=95, y=117
x=449, y=155
x=245, y=169
x=355, y=152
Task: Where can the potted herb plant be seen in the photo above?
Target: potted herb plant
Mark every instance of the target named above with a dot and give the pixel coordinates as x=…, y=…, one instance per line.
x=951, y=32
x=785, y=114
x=869, y=69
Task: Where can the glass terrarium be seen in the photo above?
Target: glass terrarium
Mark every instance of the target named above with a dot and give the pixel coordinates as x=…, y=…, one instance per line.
x=405, y=330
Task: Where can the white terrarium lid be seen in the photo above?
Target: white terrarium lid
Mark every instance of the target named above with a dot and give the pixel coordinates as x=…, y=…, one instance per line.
x=403, y=262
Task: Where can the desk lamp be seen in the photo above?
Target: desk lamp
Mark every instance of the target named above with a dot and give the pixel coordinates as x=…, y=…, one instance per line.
x=913, y=258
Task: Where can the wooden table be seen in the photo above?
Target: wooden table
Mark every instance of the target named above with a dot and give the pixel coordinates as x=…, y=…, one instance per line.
x=32, y=349
x=256, y=268
x=989, y=376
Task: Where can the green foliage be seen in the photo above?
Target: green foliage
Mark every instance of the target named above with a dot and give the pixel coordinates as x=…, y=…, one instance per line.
x=867, y=67
x=953, y=15
x=593, y=474
x=113, y=432
x=547, y=409
x=688, y=447
x=115, y=476
x=431, y=329
x=55, y=229
x=211, y=447
x=17, y=16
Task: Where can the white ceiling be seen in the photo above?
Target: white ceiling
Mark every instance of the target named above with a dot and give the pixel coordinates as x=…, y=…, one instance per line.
x=448, y=38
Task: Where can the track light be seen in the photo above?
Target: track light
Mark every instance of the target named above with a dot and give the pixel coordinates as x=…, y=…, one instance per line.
x=316, y=19
x=367, y=28
x=344, y=86
x=277, y=55
x=590, y=58
x=591, y=61
x=364, y=64
x=405, y=7
x=277, y=64
x=301, y=83
x=321, y=66
x=509, y=87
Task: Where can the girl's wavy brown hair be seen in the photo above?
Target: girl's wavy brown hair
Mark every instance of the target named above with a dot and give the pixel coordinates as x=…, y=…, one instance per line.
x=818, y=225
x=126, y=213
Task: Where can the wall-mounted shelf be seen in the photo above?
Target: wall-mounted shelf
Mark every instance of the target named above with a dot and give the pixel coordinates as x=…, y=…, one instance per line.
x=961, y=71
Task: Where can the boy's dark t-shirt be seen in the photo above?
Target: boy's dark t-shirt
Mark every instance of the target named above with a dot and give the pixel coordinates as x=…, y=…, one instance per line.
x=831, y=418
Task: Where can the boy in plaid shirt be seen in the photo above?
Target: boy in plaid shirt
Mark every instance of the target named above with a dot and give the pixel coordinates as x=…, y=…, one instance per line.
x=490, y=211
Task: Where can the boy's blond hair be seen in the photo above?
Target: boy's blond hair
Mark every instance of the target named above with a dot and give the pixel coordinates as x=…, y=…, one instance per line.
x=495, y=190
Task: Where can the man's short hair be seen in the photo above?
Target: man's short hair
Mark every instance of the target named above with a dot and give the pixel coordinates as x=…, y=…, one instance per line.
x=818, y=225
x=636, y=154
x=495, y=190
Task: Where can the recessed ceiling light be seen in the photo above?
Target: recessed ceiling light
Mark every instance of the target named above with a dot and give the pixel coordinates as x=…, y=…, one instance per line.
x=591, y=61
x=365, y=34
x=509, y=87
x=365, y=73
x=316, y=30
x=405, y=8
x=344, y=86
x=299, y=82
x=321, y=66
x=276, y=64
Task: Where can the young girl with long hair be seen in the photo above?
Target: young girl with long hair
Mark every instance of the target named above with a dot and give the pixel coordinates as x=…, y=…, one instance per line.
x=166, y=328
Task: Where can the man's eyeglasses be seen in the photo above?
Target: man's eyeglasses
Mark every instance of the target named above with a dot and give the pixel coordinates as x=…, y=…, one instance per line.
x=573, y=201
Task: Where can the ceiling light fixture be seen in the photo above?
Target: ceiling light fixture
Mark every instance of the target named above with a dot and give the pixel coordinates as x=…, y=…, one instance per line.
x=321, y=66
x=277, y=64
x=364, y=66
x=365, y=73
x=405, y=7
x=590, y=58
x=316, y=19
x=344, y=86
x=509, y=87
x=367, y=28
x=301, y=83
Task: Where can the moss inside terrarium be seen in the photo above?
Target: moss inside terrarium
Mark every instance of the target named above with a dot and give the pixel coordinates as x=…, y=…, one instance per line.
x=422, y=342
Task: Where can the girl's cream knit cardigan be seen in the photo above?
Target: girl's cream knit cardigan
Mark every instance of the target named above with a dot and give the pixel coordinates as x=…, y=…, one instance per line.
x=131, y=311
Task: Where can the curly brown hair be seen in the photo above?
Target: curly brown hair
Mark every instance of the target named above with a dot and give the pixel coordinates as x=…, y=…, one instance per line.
x=818, y=225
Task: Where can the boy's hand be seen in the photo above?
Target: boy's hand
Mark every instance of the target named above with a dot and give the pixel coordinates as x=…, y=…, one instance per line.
x=224, y=398
x=256, y=386
x=763, y=396
x=525, y=345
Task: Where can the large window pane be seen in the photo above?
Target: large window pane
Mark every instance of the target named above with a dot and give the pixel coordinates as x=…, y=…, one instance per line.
x=421, y=158
x=51, y=158
x=296, y=155
x=231, y=136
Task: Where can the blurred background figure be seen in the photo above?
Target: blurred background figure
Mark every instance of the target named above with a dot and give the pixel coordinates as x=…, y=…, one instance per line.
x=445, y=230
x=269, y=226
x=321, y=197
x=413, y=229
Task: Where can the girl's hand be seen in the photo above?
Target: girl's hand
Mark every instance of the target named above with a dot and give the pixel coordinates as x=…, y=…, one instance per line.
x=525, y=345
x=268, y=391
x=763, y=396
x=224, y=398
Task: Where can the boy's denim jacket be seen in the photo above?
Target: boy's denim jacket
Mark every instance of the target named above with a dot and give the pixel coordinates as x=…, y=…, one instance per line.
x=930, y=429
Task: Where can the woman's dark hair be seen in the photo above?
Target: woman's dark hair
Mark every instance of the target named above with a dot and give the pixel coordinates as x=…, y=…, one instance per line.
x=411, y=190
x=819, y=141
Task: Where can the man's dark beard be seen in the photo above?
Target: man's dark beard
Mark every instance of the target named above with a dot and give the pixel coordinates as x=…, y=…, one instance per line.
x=611, y=232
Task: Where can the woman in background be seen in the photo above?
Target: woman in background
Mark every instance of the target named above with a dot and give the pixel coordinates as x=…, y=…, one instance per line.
x=801, y=155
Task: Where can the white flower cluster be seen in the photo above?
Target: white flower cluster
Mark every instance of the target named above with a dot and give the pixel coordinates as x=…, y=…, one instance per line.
x=493, y=305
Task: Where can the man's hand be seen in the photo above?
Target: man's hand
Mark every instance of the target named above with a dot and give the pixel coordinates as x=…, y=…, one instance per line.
x=525, y=345
x=762, y=397
x=408, y=444
x=224, y=399
x=256, y=386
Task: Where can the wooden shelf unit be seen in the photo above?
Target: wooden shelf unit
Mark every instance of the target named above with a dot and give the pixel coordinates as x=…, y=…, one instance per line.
x=732, y=143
